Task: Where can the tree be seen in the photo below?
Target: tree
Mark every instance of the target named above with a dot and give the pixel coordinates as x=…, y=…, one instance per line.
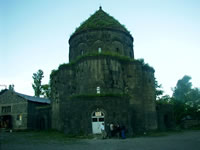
x=46, y=90
x=165, y=99
x=179, y=110
x=186, y=100
x=37, y=79
x=159, y=91
x=192, y=101
x=183, y=87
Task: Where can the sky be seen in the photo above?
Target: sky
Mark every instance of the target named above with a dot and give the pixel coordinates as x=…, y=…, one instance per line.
x=34, y=35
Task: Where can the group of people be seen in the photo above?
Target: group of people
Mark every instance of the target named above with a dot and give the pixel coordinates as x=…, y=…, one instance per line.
x=113, y=130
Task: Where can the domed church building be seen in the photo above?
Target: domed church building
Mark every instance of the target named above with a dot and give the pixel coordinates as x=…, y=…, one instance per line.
x=103, y=82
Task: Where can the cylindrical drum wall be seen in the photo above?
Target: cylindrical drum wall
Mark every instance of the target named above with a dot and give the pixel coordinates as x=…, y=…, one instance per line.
x=101, y=40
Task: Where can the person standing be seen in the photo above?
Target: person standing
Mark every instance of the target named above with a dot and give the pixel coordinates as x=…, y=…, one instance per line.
x=123, y=129
x=103, y=132
x=118, y=130
x=111, y=130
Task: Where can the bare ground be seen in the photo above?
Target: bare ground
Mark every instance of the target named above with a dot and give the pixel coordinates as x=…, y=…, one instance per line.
x=188, y=140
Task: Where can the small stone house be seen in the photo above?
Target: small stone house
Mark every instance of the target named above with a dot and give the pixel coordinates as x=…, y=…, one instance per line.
x=19, y=111
x=165, y=116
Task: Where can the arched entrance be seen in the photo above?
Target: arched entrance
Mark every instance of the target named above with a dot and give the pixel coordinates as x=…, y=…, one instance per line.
x=97, y=120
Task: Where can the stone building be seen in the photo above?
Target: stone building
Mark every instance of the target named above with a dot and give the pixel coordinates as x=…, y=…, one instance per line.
x=103, y=82
x=19, y=111
x=165, y=116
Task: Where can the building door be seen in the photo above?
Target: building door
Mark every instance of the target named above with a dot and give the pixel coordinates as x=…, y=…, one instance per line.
x=6, y=122
x=97, y=121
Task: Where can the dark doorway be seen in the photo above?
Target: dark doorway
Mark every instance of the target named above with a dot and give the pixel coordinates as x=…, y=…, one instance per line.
x=41, y=123
x=6, y=122
x=166, y=121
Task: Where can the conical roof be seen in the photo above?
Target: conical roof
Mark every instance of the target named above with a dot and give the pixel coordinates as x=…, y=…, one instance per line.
x=100, y=20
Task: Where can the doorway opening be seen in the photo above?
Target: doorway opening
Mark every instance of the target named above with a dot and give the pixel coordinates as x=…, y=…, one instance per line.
x=6, y=122
x=97, y=121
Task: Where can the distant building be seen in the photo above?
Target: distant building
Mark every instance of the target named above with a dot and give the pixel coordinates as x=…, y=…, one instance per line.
x=19, y=111
x=103, y=82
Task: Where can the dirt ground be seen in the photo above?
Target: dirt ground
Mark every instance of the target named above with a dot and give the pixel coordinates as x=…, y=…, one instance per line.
x=188, y=140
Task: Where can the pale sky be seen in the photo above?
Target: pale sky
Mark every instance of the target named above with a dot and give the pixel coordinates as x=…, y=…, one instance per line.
x=34, y=35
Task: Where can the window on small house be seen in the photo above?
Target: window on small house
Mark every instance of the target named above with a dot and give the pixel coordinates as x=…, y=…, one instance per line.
x=6, y=109
x=99, y=49
x=98, y=90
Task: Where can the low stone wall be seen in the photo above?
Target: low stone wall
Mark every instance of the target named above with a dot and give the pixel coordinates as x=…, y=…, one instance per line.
x=190, y=123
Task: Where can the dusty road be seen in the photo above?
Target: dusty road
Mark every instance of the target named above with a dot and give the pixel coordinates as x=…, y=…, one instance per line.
x=188, y=140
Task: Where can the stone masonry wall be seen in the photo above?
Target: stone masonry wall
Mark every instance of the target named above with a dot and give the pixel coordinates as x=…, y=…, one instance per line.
x=18, y=107
x=112, y=76
x=79, y=119
x=108, y=40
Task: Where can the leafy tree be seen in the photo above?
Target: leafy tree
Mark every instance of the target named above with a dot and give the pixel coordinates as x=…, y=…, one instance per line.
x=192, y=101
x=193, y=95
x=46, y=90
x=37, y=79
x=186, y=100
x=183, y=87
x=166, y=99
x=179, y=110
x=159, y=91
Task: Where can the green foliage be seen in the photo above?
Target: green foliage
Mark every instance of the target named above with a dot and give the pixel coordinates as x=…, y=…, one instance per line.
x=46, y=90
x=183, y=87
x=99, y=20
x=38, y=88
x=53, y=72
x=145, y=65
x=103, y=54
x=166, y=99
x=92, y=55
x=159, y=91
x=184, y=110
x=37, y=79
x=186, y=100
x=121, y=58
x=179, y=110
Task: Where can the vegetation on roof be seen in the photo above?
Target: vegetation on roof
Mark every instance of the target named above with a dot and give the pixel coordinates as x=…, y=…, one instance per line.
x=2, y=91
x=116, y=56
x=99, y=20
